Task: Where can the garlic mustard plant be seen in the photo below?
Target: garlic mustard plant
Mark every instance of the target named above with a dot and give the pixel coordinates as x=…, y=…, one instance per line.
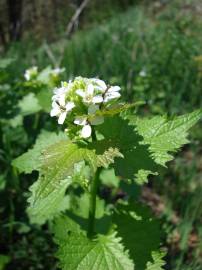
x=105, y=145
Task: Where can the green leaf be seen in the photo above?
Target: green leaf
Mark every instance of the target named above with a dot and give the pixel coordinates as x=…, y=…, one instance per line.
x=140, y=233
x=4, y=260
x=58, y=162
x=4, y=63
x=44, y=98
x=158, y=261
x=31, y=160
x=79, y=211
x=76, y=251
x=108, y=157
x=137, y=163
x=56, y=171
x=165, y=135
x=55, y=157
x=47, y=207
x=82, y=174
x=113, y=110
x=81, y=206
x=144, y=143
x=2, y=182
x=117, y=108
x=16, y=121
x=44, y=75
x=62, y=226
x=109, y=178
x=29, y=104
x=134, y=224
x=142, y=175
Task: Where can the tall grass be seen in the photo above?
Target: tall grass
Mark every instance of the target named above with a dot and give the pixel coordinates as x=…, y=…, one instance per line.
x=164, y=45
x=133, y=41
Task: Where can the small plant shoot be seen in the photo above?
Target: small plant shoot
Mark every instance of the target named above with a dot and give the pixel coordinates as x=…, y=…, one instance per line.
x=104, y=147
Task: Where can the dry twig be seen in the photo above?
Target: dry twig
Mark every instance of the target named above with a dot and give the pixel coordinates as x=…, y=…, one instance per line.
x=75, y=17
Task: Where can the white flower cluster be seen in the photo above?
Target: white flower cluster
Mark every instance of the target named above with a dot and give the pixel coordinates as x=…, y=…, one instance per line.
x=57, y=71
x=31, y=73
x=80, y=100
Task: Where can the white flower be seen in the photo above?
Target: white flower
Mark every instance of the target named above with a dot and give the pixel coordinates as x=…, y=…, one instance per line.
x=88, y=95
x=30, y=73
x=60, y=98
x=143, y=73
x=60, y=109
x=100, y=85
x=108, y=92
x=86, y=131
x=57, y=71
x=83, y=121
x=65, y=87
x=60, y=93
x=93, y=95
x=27, y=75
x=112, y=93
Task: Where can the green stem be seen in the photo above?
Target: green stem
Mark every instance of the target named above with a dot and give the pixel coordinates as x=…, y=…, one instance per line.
x=93, y=193
x=36, y=121
x=94, y=138
x=92, y=207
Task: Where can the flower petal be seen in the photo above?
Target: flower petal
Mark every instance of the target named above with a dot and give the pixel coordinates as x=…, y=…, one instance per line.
x=61, y=100
x=80, y=93
x=101, y=84
x=97, y=120
x=90, y=89
x=114, y=89
x=97, y=99
x=80, y=120
x=54, y=97
x=86, y=131
x=110, y=96
x=54, y=104
x=57, y=71
x=55, y=111
x=114, y=95
x=62, y=117
x=27, y=76
x=69, y=106
x=60, y=90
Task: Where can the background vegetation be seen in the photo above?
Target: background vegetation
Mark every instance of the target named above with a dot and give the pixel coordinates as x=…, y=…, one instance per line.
x=153, y=50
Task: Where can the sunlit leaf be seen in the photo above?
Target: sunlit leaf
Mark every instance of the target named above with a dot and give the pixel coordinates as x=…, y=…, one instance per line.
x=56, y=171
x=29, y=104
x=77, y=251
x=31, y=160
x=164, y=135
